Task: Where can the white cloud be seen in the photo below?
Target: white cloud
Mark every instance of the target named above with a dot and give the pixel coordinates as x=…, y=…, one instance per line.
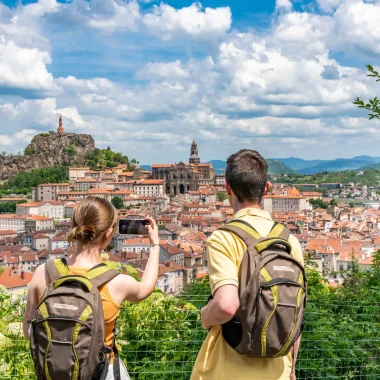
x=284, y=5
x=276, y=91
x=170, y=70
x=328, y=5
x=114, y=14
x=357, y=27
x=24, y=70
x=167, y=22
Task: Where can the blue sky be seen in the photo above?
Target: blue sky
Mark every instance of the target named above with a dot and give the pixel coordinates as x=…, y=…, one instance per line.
x=146, y=77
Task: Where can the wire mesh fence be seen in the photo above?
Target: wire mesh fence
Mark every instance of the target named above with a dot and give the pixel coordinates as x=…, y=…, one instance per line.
x=161, y=337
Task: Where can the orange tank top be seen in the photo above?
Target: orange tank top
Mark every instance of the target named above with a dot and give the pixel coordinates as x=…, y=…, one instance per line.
x=111, y=309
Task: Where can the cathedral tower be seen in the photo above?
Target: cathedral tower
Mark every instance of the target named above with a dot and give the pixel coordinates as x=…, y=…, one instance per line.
x=60, y=130
x=194, y=159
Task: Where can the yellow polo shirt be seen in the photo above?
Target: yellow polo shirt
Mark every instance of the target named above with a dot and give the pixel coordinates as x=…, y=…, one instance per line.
x=216, y=359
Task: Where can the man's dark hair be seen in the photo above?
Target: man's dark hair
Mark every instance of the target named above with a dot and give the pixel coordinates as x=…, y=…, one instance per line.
x=247, y=174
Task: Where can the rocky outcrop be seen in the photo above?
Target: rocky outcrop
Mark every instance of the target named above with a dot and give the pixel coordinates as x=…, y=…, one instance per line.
x=47, y=150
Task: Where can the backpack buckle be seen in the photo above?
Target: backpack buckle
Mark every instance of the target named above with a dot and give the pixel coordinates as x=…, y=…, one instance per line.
x=106, y=350
x=115, y=331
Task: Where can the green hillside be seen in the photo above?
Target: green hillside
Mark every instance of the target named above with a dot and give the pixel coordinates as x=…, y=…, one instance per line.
x=368, y=178
x=276, y=167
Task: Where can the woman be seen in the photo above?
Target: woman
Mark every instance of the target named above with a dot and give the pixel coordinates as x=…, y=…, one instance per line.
x=93, y=225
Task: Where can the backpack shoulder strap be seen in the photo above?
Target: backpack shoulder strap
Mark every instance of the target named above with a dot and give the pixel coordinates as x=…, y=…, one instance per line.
x=243, y=230
x=279, y=231
x=101, y=274
x=56, y=268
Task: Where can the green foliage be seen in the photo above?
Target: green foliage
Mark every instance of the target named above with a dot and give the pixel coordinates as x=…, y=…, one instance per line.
x=161, y=337
x=373, y=105
x=369, y=178
x=29, y=151
x=318, y=203
x=24, y=181
x=9, y=207
x=117, y=202
x=101, y=158
x=70, y=150
x=222, y=196
x=276, y=167
x=334, y=202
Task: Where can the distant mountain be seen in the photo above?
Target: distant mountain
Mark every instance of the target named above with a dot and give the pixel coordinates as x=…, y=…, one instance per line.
x=375, y=166
x=299, y=163
x=146, y=167
x=274, y=167
x=339, y=164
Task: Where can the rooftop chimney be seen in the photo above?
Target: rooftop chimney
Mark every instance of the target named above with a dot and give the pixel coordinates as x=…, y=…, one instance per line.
x=22, y=275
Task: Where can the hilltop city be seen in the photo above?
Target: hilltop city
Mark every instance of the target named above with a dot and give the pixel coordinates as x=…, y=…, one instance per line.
x=336, y=223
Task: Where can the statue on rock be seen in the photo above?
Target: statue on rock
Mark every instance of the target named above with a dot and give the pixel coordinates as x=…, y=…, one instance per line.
x=61, y=131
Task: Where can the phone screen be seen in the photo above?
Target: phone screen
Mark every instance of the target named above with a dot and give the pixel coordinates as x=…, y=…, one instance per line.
x=133, y=226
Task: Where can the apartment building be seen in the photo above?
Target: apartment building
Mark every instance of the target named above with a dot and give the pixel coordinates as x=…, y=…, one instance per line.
x=77, y=173
x=49, y=191
x=93, y=174
x=31, y=208
x=4, y=234
x=148, y=187
x=40, y=242
x=278, y=203
x=220, y=180
x=137, y=245
x=85, y=184
x=28, y=262
x=13, y=222
x=170, y=252
x=171, y=278
x=51, y=209
x=59, y=242
x=35, y=223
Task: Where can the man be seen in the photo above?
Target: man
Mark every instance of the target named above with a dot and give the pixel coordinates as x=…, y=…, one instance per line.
x=246, y=184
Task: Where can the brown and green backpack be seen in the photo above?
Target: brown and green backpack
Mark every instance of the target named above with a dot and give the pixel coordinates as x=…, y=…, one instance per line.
x=272, y=293
x=67, y=331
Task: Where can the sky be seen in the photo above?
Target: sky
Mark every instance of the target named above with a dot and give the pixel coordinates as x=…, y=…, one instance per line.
x=147, y=77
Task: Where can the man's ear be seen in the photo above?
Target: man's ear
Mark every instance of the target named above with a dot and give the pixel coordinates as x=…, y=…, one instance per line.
x=268, y=186
x=228, y=188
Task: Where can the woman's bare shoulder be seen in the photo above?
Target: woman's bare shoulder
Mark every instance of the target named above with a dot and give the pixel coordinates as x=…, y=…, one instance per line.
x=121, y=287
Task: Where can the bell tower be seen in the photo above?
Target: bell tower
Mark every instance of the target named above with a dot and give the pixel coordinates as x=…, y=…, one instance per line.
x=194, y=158
x=60, y=130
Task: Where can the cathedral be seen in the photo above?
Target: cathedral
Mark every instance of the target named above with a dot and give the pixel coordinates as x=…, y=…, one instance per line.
x=183, y=177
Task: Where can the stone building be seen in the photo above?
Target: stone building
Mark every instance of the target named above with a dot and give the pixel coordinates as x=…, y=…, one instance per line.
x=184, y=177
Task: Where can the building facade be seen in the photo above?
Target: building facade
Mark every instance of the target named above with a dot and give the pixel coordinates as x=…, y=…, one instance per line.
x=181, y=177
x=48, y=191
x=275, y=204
x=77, y=173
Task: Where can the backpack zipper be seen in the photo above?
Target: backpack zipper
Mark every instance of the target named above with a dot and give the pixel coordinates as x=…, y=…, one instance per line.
x=274, y=290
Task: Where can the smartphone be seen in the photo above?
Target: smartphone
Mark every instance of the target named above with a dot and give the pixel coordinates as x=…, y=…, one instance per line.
x=133, y=226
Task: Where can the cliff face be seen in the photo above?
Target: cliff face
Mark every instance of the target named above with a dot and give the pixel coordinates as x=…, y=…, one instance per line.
x=47, y=150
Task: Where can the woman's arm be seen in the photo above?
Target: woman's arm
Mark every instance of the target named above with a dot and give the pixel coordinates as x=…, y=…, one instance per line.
x=32, y=300
x=127, y=288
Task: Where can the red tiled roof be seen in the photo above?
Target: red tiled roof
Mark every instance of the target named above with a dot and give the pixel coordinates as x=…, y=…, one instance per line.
x=11, y=280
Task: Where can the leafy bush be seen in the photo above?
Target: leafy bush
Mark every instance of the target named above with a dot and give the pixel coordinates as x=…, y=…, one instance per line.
x=22, y=180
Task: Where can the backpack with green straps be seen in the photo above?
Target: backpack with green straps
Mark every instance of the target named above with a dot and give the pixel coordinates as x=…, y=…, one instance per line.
x=272, y=294
x=67, y=330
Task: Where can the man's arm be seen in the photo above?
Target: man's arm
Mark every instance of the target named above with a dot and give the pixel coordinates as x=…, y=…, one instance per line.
x=294, y=351
x=221, y=308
